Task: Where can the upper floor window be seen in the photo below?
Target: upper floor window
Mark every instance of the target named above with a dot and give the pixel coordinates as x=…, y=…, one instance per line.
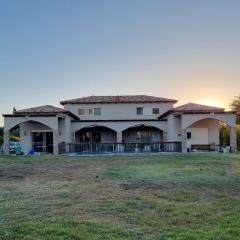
x=139, y=111
x=85, y=111
x=155, y=111
x=97, y=112
x=189, y=135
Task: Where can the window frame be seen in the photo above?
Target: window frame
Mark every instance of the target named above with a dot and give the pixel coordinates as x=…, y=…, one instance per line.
x=141, y=110
x=85, y=110
x=189, y=135
x=95, y=110
x=155, y=109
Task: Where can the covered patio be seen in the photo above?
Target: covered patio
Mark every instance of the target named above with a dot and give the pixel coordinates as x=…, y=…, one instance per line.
x=41, y=129
x=197, y=127
x=143, y=134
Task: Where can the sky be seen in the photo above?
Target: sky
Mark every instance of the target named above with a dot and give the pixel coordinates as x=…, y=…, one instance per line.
x=53, y=50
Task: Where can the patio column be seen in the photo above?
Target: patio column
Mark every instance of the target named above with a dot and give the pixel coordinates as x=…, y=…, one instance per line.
x=164, y=136
x=119, y=137
x=233, y=139
x=73, y=137
x=119, y=146
x=184, y=140
x=7, y=142
x=55, y=142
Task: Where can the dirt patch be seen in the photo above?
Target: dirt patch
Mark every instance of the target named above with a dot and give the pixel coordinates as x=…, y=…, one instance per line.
x=18, y=173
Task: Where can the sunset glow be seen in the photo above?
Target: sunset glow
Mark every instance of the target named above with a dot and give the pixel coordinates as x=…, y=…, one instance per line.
x=186, y=50
x=213, y=103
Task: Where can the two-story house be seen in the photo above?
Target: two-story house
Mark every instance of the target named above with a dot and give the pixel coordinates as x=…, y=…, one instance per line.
x=119, y=123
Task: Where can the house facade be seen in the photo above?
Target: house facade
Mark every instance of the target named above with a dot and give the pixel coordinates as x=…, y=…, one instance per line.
x=119, y=124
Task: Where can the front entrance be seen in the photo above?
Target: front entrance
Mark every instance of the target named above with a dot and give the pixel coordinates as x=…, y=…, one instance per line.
x=42, y=141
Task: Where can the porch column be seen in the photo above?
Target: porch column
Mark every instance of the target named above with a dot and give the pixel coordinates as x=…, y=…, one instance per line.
x=73, y=137
x=55, y=142
x=164, y=136
x=119, y=137
x=7, y=142
x=233, y=139
x=184, y=140
x=119, y=146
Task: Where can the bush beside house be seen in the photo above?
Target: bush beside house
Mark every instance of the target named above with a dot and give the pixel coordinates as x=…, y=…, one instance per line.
x=15, y=136
x=1, y=135
x=238, y=137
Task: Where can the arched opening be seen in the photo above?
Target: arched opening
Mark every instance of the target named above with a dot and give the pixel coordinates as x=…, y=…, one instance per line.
x=95, y=134
x=142, y=134
x=34, y=137
x=13, y=138
x=208, y=134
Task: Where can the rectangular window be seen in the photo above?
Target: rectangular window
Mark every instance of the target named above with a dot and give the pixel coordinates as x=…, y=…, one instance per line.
x=97, y=111
x=85, y=111
x=139, y=111
x=189, y=135
x=155, y=111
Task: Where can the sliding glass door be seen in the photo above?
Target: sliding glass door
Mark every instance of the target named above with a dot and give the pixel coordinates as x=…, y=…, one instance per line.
x=42, y=141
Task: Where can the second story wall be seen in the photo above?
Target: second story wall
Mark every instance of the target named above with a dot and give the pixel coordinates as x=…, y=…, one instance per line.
x=118, y=111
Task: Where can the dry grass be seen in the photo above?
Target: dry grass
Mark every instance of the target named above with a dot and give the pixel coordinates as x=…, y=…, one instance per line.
x=140, y=197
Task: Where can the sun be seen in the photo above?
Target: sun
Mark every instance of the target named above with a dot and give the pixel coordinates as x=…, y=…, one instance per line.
x=211, y=102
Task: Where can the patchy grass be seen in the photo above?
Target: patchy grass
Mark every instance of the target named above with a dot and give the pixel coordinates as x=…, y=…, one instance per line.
x=171, y=197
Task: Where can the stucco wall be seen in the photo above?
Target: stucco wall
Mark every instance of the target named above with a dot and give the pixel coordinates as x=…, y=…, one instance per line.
x=119, y=126
x=68, y=130
x=204, y=132
x=10, y=122
x=119, y=111
x=61, y=130
x=177, y=132
x=173, y=128
x=189, y=119
x=170, y=128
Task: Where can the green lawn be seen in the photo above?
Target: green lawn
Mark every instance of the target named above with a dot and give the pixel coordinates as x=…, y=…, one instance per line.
x=183, y=197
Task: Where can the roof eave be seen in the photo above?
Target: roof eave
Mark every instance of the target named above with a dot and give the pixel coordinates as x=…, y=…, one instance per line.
x=30, y=114
x=166, y=114
x=60, y=114
x=123, y=102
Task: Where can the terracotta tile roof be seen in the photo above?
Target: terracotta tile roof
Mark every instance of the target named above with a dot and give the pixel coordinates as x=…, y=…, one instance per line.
x=194, y=107
x=44, y=110
x=118, y=99
x=41, y=109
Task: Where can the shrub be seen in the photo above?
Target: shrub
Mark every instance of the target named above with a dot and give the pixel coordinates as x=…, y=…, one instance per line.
x=224, y=134
x=14, y=138
x=238, y=137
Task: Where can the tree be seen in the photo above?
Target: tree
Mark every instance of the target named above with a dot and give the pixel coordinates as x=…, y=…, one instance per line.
x=224, y=134
x=1, y=131
x=235, y=106
x=238, y=137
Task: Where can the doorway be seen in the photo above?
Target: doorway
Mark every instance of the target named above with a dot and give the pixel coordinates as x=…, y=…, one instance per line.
x=42, y=141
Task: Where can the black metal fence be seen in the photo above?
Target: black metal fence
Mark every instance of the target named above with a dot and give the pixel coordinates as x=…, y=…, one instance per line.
x=120, y=147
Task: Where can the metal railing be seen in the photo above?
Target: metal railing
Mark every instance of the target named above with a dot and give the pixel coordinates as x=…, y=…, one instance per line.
x=120, y=147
